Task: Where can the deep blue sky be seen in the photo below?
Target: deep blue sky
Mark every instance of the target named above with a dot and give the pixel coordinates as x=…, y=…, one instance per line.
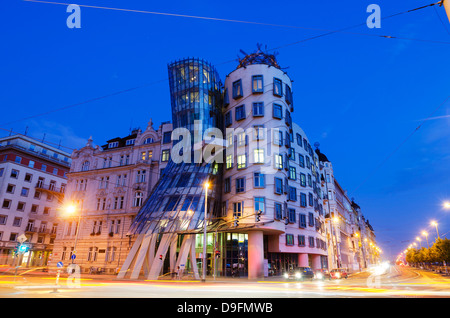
x=359, y=96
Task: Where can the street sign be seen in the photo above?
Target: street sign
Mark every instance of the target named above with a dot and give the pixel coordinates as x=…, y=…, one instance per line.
x=59, y=264
x=73, y=256
x=22, y=238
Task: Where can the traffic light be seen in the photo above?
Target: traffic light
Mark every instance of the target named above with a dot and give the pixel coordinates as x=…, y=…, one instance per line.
x=217, y=254
x=160, y=257
x=236, y=221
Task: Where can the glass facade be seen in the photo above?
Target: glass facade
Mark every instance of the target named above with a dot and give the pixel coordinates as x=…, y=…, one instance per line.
x=177, y=202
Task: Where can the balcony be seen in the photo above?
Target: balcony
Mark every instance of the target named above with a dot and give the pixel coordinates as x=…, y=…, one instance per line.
x=52, y=189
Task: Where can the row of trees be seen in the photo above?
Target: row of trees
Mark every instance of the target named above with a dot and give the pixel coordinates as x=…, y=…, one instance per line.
x=439, y=252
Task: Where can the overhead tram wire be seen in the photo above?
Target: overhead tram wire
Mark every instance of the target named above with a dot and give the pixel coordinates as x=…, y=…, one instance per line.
x=343, y=30
x=401, y=144
x=329, y=31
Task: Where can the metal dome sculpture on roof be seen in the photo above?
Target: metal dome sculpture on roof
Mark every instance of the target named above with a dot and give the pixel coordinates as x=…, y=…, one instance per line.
x=259, y=57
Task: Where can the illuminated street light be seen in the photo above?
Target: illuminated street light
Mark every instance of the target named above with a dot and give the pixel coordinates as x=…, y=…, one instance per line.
x=426, y=235
x=420, y=241
x=446, y=205
x=434, y=223
x=70, y=210
x=206, y=185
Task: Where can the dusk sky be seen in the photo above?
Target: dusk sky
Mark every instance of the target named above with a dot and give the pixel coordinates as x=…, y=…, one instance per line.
x=357, y=94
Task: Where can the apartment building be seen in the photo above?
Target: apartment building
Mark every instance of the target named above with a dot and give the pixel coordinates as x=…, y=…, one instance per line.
x=33, y=181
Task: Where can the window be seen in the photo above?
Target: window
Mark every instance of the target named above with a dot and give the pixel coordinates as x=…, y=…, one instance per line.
x=291, y=215
x=140, y=176
x=46, y=210
x=311, y=241
x=6, y=204
x=113, y=144
x=257, y=84
x=3, y=219
x=303, y=200
x=240, y=185
x=239, y=112
x=130, y=142
x=259, y=180
x=277, y=137
x=17, y=221
x=226, y=98
x=258, y=132
x=10, y=188
x=138, y=199
x=277, y=87
x=238, y=209
x=310, y=219
x=278, y=189
x=148, y=140
x=289, y=239
x=31, y=164
x=237, y=89
x=302, y=179
x=301, y=160
x=299, y=140
x=241, y=139
x=301, y=240
x=28, y=177
x=21, y=206
x=85, y=166
x=292, y=173
x=34, y=208
x=277, y=111
x=24, y=192
x=165, y=155
x=241, y=161
x=43, y=167
x=228, y=119
x=227, y=185
x=278, y=211
x=278, y=162
x=310, y=199
x=292, y=194
x=14, y=174
x=167, y=137
x=258, y=109
x=302, y=221
x=229, y=162
x=260, y=205
x=288, y=96
x=18, y=159
x=258, y=155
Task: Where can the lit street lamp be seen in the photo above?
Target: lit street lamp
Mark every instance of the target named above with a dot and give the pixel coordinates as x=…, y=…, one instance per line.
x=436, y=225
x=206, y=185
x=420, y=241
x=426, y=235
x=446, y=205
x=71, y=209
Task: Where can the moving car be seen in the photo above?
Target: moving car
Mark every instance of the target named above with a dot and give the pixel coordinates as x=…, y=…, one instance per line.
x=338, y=273
x=299, y=273
x=321, y=274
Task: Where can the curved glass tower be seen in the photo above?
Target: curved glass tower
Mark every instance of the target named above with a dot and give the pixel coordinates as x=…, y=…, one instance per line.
x=177, y=202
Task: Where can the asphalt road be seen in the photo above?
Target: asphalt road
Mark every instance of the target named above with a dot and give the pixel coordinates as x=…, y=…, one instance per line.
x=396, y=282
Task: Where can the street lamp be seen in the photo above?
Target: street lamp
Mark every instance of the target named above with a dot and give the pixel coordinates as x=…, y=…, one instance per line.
x=446, y=205
x=436, y=225
x=426, y=235
x=71, y=209
x=206, y=185
x=420, y=241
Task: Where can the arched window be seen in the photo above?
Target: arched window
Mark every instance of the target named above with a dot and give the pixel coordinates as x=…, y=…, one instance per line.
x=85, y=166
x=138, y=198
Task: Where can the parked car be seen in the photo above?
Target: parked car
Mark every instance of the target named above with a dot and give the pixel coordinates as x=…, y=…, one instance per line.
x=299, y=273
x=338, y=273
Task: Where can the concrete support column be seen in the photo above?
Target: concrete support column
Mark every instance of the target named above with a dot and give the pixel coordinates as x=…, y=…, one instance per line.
x=255, y=254
x=303, y=260
x=316, y=263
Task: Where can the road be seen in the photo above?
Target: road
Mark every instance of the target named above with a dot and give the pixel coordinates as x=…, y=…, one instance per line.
x=396, y=282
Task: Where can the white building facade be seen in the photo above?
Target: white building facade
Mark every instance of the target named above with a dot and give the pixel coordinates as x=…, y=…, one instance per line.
x=33, y=179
